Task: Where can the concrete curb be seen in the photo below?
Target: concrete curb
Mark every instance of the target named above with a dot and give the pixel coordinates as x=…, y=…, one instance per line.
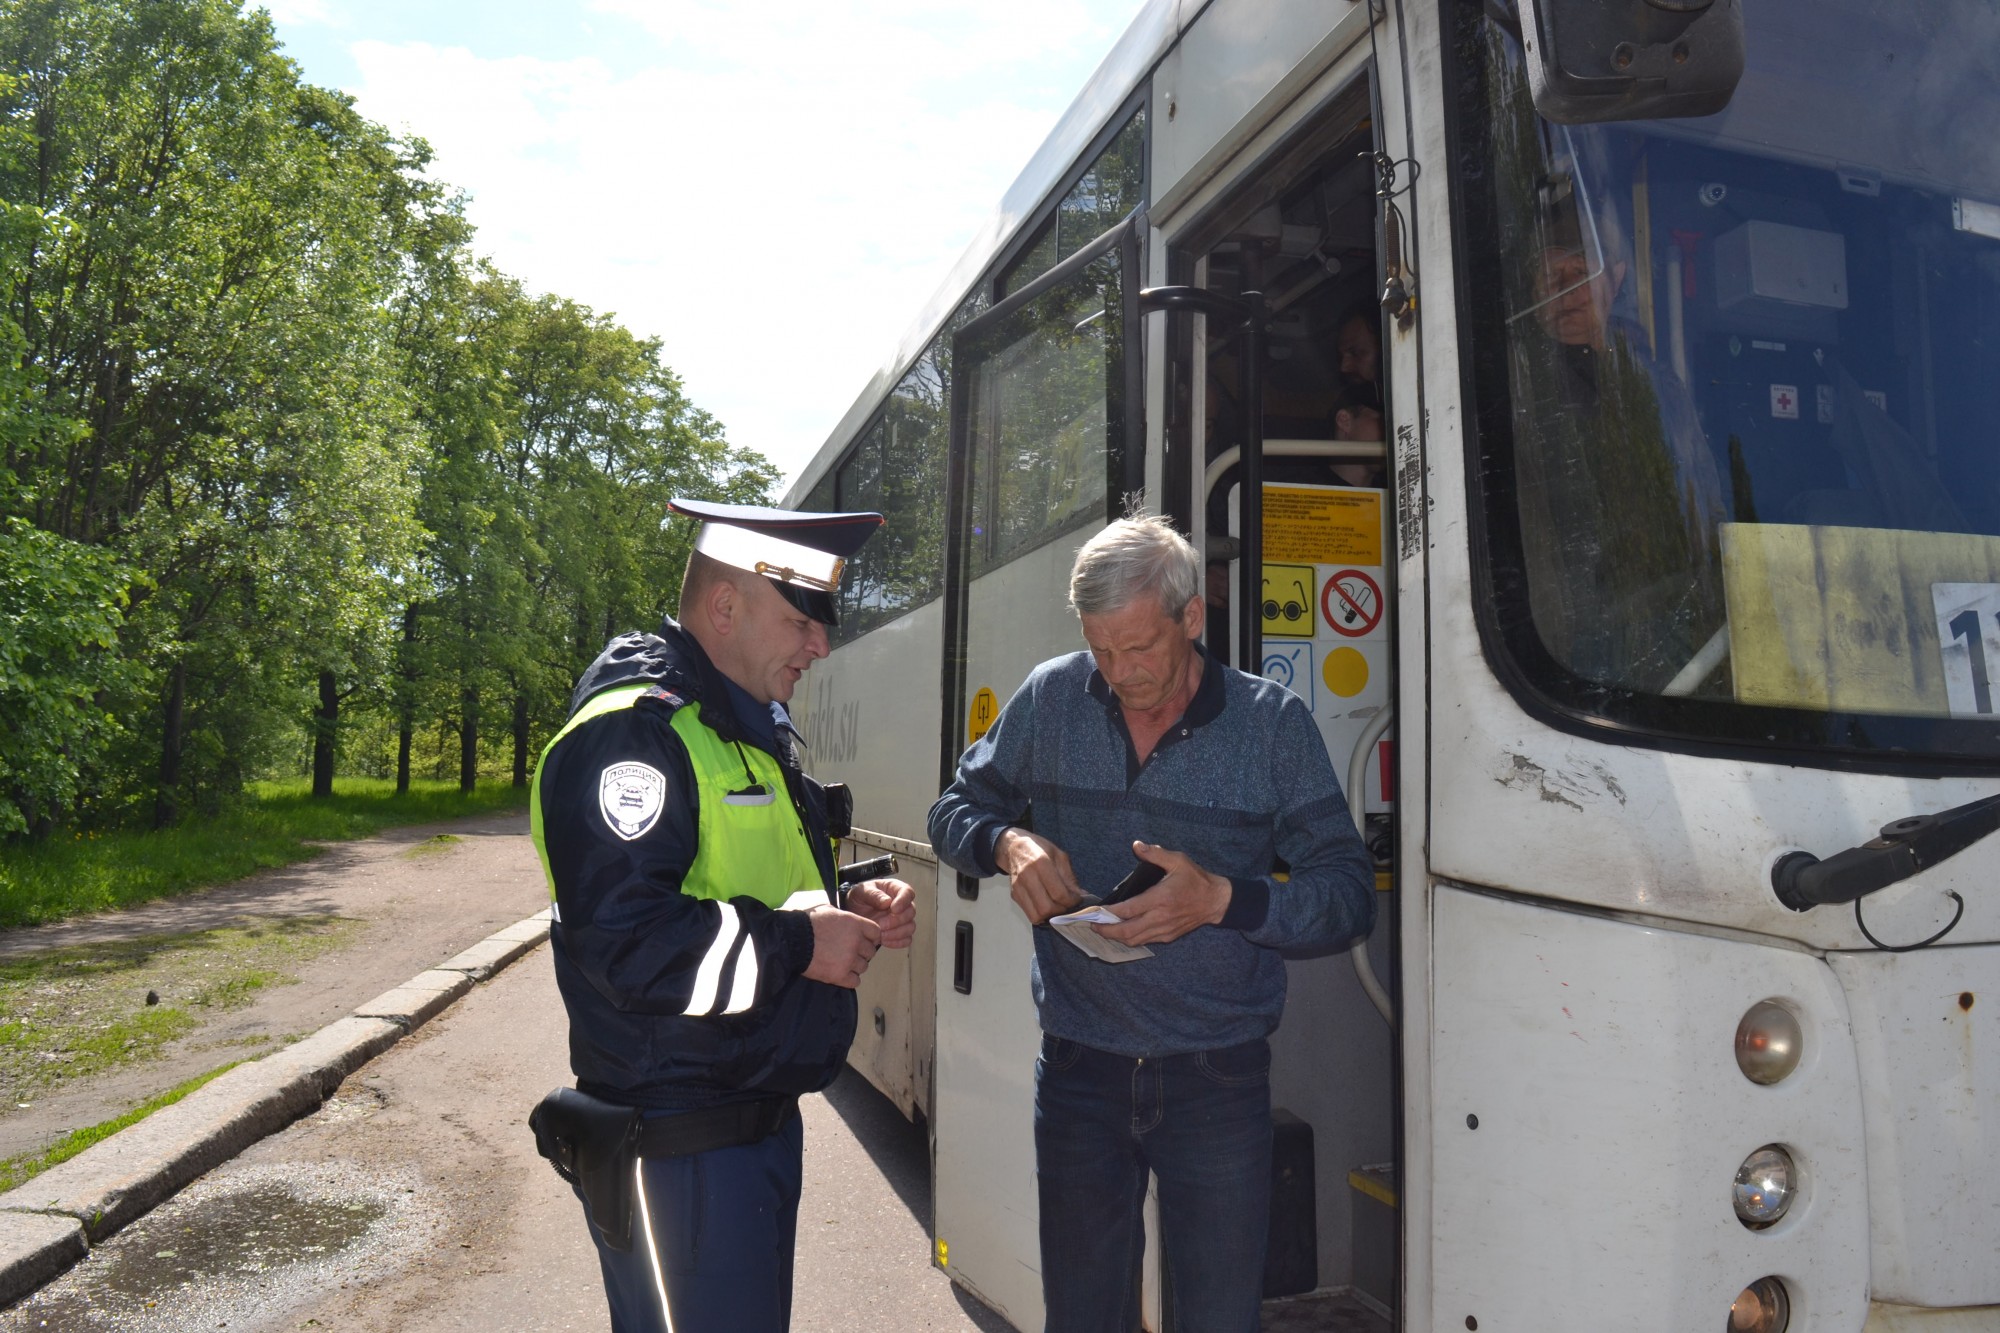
x=49, y=1224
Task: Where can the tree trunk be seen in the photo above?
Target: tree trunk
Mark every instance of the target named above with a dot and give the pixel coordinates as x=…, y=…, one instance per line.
x=521, y=738
x=326, y=729
x=468, y=739
x=406, y=706
x=166, y=803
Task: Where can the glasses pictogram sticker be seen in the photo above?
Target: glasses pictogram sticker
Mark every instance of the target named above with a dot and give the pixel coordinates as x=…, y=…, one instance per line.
x=1288, y=602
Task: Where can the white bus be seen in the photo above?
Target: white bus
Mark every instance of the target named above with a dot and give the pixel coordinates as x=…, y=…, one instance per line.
x=1649, y=642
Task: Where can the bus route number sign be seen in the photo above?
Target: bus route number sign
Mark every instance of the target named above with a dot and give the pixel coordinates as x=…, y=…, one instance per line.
x=979, y=718
x=1352, y=603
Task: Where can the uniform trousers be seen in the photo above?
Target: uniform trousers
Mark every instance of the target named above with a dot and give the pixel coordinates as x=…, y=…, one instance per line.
x=712, y=1241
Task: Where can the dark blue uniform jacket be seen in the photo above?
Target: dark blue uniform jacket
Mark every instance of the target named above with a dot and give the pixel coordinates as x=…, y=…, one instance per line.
x=629, y=945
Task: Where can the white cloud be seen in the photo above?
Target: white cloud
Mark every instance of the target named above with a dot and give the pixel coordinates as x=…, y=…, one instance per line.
x=774, y=196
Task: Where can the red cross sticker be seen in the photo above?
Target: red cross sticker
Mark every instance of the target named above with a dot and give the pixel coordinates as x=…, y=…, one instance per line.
x=1785, y=401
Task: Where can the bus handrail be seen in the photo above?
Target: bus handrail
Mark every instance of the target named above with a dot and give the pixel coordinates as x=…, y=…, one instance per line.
x=1357, y=790
x=1228, y=458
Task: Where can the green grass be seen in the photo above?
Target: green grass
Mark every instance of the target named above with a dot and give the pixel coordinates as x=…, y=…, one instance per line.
x=69, y=875
x=19, y=1170
x=441, y=842
x=82, y=1010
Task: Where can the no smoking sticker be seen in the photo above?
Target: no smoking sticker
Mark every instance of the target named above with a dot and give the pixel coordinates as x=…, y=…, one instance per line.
x=1351, y=601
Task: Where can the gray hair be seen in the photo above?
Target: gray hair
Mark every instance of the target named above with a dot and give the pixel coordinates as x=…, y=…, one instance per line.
x=1130, y=558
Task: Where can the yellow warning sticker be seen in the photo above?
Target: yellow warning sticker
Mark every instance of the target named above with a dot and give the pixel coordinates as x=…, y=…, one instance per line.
x=1289, y=603
x=979, y=718
x=1320, y=526
x=943, y=1254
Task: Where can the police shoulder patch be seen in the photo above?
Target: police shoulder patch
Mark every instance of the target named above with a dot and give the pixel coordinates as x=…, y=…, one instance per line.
x=631, y=796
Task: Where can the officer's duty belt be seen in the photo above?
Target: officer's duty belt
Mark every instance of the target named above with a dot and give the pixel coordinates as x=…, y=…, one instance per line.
x=592, y=1144
x=712, y=1127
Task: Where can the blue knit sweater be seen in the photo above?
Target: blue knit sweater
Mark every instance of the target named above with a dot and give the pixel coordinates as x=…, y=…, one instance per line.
x=1242, y=781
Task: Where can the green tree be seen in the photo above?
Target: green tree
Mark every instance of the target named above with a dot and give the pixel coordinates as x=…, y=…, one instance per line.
x=212, y=308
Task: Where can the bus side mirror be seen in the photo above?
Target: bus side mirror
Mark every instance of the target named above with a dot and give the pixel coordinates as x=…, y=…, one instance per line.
x=1596, y=60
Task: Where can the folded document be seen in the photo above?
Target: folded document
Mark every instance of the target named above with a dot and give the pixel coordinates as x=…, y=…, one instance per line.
x=1076, y=928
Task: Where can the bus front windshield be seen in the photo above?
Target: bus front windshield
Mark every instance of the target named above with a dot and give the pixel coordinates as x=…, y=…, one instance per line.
x=1738, y=387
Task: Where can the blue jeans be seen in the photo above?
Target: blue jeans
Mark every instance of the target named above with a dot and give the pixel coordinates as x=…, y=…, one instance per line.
x=723, y=1224
x=1201, y=1123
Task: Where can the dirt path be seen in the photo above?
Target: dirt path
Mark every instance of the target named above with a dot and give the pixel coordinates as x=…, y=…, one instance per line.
x=411, y=898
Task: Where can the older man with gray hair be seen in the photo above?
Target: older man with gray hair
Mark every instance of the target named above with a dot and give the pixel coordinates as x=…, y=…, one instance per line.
x=1145, y=747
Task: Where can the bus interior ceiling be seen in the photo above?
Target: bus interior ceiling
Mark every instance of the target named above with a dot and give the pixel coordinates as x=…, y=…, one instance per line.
x=1303, y=233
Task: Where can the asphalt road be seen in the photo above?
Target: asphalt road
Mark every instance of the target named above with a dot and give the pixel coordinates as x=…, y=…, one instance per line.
x=413, y=1201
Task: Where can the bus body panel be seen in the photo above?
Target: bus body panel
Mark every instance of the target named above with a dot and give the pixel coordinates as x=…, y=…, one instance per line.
x=1927, y=1032
x=1526, y=807
x=870, y=719
x=869, y=714
x=1238, y=64
x=895, y=1038
x=1590, y=1118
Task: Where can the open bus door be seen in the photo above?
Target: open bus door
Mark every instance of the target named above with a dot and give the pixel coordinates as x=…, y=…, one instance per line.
x=1276, y=390
x=1045, y=448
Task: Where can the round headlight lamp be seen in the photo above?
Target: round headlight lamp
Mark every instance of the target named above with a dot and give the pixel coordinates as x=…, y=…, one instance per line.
x=1766, y=1184
x=1763, y=1307
x=1769, y=1042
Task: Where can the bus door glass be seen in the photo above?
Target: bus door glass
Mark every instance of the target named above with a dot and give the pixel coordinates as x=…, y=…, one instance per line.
x=1043, y=455
x=1302, y=234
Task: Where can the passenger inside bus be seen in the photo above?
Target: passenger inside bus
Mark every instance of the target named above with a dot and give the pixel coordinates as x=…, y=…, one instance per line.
x=1358, y=418
x=1360, y=346
x=1622, y=469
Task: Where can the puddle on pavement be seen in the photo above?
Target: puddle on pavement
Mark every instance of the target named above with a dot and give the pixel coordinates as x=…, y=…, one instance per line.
x=236, y=1235
x=230, y=1251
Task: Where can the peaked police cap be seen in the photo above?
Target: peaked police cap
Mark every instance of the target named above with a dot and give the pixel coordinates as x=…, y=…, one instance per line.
x=801, y=553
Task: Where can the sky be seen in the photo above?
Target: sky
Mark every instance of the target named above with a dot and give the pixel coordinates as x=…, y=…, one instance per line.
x=772, y=189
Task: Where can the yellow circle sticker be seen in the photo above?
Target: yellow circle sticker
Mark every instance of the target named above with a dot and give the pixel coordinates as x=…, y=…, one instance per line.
x=1345, y=672
x=979, y=718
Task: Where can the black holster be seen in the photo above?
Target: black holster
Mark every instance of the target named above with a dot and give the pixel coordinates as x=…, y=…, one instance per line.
x=592, y=1144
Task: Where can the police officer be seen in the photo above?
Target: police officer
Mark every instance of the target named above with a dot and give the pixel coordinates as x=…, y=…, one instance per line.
x=703, y=950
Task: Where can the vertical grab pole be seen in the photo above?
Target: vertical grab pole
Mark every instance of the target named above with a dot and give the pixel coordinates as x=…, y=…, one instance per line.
x=1247, y=314
x=1250, y=519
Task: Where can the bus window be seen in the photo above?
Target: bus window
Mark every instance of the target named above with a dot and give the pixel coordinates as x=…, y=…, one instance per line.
x=1041, y=412
x=1736, y=406
x=1109, y=188
x=858, y=486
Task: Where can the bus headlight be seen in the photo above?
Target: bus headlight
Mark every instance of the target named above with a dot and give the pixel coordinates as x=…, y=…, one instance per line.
x=1768, y=1042
x=1766, y=1183
x=1763, y=1307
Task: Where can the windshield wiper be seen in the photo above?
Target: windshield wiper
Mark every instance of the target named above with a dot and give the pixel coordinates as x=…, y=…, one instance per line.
x=1803, y=881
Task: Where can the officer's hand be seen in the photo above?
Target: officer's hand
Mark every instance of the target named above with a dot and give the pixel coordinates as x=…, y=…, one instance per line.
x=842, y=945
x=1043, y=883
x=891, y=905
x=1188, y=897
